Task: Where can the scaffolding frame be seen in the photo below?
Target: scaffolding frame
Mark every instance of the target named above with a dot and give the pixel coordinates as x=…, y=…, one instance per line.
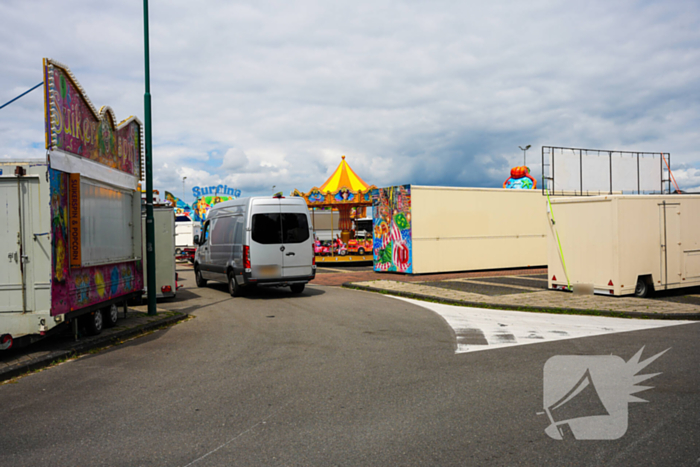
x=549, y=183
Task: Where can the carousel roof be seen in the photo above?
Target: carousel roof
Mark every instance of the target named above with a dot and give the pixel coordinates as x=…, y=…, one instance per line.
x=344, y=177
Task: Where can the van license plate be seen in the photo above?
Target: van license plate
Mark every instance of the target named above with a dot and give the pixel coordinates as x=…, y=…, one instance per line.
x=268, y=271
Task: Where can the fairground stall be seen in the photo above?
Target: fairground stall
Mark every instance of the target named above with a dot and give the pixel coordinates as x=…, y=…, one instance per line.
x=430, y=229
x=72, y=236
x=346, y=194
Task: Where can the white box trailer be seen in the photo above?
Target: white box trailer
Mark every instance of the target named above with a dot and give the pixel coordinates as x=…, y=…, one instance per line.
x=425, y=229
x=185, y=230
x=164, y=230
x=625, y=244
x=68, y=248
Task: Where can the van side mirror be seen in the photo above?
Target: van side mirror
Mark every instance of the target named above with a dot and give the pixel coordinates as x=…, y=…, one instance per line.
x=196, y=239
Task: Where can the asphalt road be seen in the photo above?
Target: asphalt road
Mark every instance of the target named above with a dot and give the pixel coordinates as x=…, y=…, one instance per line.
x=334, y=377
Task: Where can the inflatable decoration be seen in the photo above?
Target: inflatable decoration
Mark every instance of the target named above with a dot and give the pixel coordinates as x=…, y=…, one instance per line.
x=520, y=179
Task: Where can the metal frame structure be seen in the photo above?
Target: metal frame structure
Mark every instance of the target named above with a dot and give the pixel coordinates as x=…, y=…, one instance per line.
x=548, y=182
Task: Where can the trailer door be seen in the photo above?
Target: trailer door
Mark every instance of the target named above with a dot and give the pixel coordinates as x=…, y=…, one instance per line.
x=671, y=248
x=17, y=198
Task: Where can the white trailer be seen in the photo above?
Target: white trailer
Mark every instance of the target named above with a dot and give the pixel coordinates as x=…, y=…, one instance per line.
x=624, y=244
x=42, y=285
x=185, y=230
x=426, y=229
x=164, y=229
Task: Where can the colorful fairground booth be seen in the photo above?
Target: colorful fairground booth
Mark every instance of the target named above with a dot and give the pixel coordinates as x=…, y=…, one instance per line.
x=73, y=235
x=348, y=196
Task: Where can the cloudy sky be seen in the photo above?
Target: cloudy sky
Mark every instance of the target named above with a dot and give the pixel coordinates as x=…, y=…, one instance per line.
x=256, y=94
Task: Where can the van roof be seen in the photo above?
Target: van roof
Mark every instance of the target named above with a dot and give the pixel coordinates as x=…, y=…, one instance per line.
x=258, y=200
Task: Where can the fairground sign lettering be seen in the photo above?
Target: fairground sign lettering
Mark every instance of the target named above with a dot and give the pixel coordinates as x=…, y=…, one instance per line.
x=215, y=190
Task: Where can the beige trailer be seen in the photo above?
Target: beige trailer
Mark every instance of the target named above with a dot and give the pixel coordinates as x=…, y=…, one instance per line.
x=425, y=229
x=625, y=244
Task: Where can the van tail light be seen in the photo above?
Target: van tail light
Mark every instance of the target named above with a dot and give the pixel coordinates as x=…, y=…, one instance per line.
x=166, y=289
x=246, y=256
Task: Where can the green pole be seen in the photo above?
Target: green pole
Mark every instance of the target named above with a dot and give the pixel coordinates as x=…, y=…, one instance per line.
x=150, y=230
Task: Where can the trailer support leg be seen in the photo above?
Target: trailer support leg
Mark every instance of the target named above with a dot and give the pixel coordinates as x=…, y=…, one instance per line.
x=74, y=323
x=126, y=308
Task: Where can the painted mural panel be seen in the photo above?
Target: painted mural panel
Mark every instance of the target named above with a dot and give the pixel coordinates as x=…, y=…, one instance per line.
x=393, y=248
x=203, y=204
x=75, y=126
x=75, y=288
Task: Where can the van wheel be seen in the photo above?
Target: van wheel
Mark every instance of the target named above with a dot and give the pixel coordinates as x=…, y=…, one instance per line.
x=198, y=279
x=233, y=288
x=93, y=323
x=297, y=288
x=110, y=315
x=642, y=289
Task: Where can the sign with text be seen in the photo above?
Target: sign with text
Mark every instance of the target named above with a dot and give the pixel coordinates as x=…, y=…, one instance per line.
x=74, y=236
x=216, y=190
x=75, y=126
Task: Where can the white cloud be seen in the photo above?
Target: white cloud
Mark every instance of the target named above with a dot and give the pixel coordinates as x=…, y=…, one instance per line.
x=255, y=94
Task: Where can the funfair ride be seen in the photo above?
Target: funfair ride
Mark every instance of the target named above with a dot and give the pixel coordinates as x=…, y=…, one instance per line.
x=344, y=192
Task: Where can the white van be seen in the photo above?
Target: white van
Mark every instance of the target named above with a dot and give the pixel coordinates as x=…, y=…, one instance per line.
x=260, y=241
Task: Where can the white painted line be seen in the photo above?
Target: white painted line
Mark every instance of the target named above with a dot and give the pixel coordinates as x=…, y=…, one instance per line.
x=485, y=329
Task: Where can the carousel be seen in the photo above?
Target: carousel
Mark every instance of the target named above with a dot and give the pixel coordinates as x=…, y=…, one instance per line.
x=347, y=194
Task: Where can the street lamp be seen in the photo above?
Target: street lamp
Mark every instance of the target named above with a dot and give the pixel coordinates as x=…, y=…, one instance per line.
x=273, y=189
x=183, y=189
x=524, y=149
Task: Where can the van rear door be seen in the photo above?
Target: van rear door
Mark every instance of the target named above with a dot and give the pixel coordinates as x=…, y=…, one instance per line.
x=266, y=249
x=297, y=241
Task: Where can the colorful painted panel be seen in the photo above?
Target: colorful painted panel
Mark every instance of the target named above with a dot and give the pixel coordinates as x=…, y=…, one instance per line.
x=201, y=206
x=75, y=288
x=75, y=126
x=181, y=208
x=393, y=248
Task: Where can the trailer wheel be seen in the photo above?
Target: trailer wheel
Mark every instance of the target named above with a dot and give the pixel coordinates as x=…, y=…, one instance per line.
x=198, y=279
x=233, y=288
x=297, y=288
x=643, y=288
x=110, y=315
x=361, y=251
x=94, y=323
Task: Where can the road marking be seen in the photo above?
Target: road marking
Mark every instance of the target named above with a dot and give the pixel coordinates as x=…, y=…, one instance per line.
x=484, y=329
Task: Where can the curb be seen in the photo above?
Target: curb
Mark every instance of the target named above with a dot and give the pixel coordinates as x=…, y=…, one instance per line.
x=81, y=347
x=537, y=309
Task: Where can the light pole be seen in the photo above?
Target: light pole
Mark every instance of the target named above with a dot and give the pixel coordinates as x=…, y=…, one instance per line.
x=150, y=228
x=184, y=193
x=524, y=149
x=273, y=190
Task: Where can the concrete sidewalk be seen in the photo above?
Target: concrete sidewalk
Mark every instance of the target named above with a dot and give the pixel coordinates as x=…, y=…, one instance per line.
x=16, y=362
x=527, y=292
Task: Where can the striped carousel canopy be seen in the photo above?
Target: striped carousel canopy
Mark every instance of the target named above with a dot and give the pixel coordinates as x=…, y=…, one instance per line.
x=344, y=177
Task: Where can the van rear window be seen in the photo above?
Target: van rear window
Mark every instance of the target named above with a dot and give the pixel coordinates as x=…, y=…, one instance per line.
x=267, y=228
x=295, y=228
x=275, y=228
